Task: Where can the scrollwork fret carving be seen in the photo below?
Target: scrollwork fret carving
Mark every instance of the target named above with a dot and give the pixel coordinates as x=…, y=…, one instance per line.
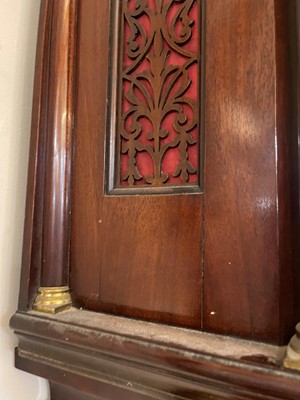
x=157, y=121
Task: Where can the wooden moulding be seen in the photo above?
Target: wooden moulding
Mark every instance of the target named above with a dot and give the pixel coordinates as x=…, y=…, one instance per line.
x=88, y=355
x=91, y=352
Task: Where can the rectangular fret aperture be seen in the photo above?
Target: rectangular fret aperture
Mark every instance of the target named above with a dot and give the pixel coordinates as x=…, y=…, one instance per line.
x=155, y=102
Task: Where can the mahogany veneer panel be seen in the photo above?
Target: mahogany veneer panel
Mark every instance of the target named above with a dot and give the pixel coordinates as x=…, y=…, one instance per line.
x=141, y=255
x=249, y=273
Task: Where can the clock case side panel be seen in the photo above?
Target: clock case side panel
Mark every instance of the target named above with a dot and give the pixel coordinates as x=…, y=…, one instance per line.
x=251, y=257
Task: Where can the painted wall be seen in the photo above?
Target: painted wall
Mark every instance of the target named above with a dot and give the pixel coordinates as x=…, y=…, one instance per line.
x=18, y=32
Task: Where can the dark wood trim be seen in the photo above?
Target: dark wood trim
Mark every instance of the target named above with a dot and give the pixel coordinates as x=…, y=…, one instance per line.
x=52, y=114
x=298, y=89
x=32, y=242
x=292, y=359
x=55, y=257
x=63, y=392
x=288, y=218
x=152, y=360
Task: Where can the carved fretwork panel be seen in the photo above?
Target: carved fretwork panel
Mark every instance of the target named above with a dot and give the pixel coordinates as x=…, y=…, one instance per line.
x=156, y=127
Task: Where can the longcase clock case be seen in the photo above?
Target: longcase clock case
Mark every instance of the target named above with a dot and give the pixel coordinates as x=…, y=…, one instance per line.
x=161, y=241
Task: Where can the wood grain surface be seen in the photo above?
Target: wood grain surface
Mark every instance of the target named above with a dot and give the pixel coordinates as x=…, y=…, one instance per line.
x=138, y=256
x=58, y=145
x=32, y=237
x=114, y=358
x=248, y=265
x=141, y=255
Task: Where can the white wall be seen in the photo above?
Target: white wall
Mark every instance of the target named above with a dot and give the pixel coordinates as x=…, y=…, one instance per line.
x=18, y=32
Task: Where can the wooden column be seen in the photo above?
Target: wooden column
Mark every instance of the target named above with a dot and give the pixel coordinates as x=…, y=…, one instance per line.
x=53, y=295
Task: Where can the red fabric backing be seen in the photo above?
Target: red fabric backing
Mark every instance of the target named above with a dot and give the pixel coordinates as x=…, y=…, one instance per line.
x=171, y=158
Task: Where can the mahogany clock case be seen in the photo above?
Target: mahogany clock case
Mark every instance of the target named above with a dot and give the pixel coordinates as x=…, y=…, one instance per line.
x=180, y=248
